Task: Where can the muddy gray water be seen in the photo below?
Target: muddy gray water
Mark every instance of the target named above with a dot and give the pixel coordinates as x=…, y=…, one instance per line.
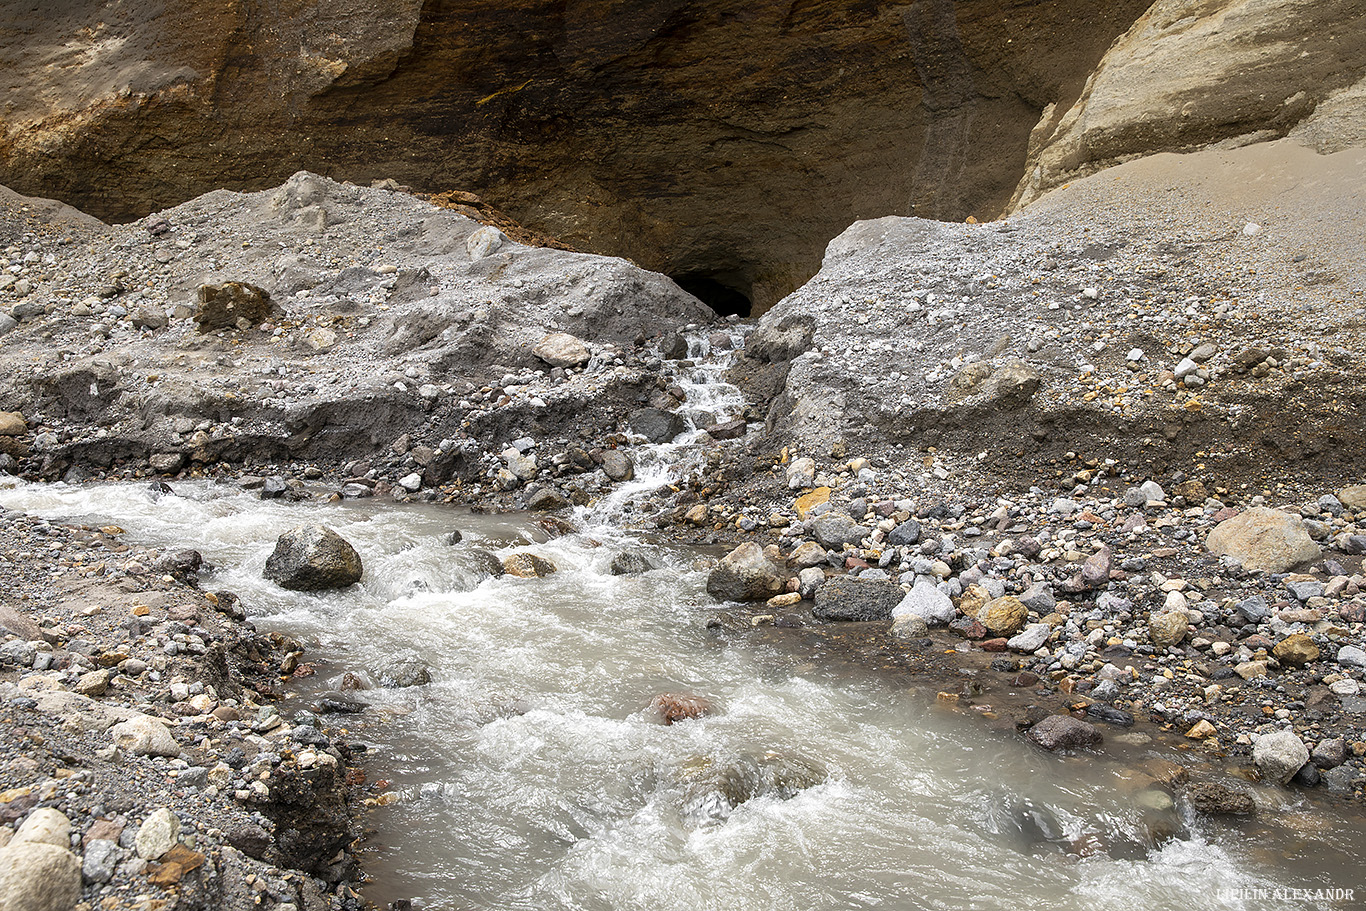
x=532, y=775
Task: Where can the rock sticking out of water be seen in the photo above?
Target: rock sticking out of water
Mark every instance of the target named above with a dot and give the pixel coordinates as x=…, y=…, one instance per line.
x=313, y=558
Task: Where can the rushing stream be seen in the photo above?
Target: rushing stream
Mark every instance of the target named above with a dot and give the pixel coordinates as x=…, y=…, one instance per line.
x=532, y=774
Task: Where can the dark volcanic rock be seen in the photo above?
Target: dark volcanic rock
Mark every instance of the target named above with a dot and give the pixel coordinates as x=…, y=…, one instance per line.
x=843, y=598
x=313, y=558
x=656, y=424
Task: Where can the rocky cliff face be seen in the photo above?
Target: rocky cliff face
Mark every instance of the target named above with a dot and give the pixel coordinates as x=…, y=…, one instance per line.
x=1191, y=74
x=721, y=142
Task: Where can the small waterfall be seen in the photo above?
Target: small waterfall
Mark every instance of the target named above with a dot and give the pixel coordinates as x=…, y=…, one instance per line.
x=657, y=465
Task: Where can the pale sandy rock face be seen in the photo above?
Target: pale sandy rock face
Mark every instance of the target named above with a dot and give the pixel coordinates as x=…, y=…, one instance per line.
x=1189, y=75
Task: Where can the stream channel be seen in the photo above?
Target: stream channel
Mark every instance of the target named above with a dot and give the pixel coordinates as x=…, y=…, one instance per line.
x=531, y=773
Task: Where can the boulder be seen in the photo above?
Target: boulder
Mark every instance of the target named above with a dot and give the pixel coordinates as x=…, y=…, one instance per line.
x=617, y=465
x=12, y=424
x=38, y=877
x=656, y=424
x=675, y=707
x=527, y=566
x=801, y=474
x=560, y=349
x=159, y=833
x=1296, y=649
x=484, y=242
x=909, y=628
x=1003, y=616
x=144, y=735
x=1168, y=628
x=1354, y=497
x=1063, y=732
x=1279, y=755
x=45, y=826
x=907, y=532
x=1263, y=540
x=745, y=574
x=926, y=601
x=1031, y=639
x=313, y=558
x=1217, y=798
x=221, y=306
x=846, y=598
x=836, y=529
x=628, y=563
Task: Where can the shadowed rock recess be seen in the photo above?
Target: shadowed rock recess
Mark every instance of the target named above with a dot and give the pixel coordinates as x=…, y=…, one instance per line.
x=723, y=143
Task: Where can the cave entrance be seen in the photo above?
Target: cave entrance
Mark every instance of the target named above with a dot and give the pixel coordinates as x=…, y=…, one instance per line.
x=714, y=291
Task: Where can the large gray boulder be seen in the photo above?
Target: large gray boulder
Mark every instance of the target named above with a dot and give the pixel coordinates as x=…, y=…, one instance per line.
x=836, y=529
x=927, y=602
x=1279, y=755
x=38, y=877
x=560, y=349
x=1263, y=540
x=845, y=598
x=1063, y=732
x=746, y=574
x=656, y=424
x=313, y=558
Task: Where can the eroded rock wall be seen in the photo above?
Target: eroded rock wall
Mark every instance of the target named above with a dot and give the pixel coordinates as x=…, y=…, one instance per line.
x=728, y=139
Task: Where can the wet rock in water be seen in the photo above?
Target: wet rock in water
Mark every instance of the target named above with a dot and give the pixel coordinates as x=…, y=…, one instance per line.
x=1263, y=540
x=1110, y=715
x=527, y=566
x=1279, y=755
x=728, y=430
x=313, y=558
x=675, y=707
x=809, y=581
x=405, y=672
x=1168, y=628
x=1329, y=754
x=628, y=563
x=926, y=601
x=617, y=465
x=715, y=786
x=454, y=537
x=1296, y=650
x=1218, y=798
x=339, y=704
x=745, y=574
x=485, y=562
x=221, y=306
x=1024, y=822
x=144, y=735
x=1063, y=732
x=656, y=424
x=1003, y=616
x=38, y=877
x=560, y=349
x=909, y=628
x=845, y=598
x=273, y=487
x=546, y=499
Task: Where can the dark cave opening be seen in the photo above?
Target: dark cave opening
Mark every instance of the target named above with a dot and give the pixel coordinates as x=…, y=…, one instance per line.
x=724, y=299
